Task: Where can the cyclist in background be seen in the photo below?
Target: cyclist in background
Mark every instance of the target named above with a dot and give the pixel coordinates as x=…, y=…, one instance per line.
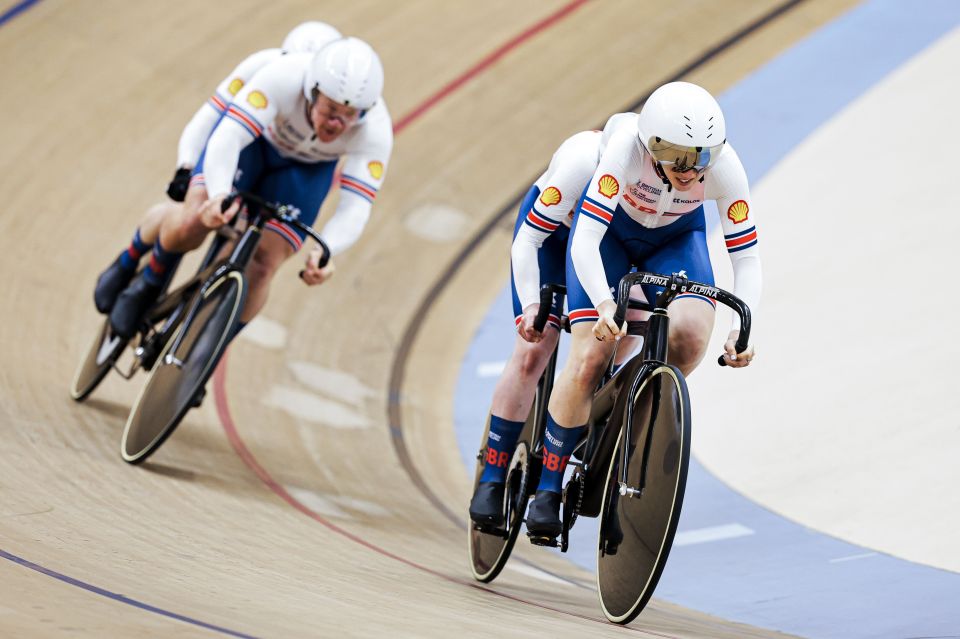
x=282, y=137
x=307, y=37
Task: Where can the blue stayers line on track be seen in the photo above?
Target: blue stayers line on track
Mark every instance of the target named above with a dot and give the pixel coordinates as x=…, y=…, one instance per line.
x=121, y=598
x=16, y=10
x=783, y=576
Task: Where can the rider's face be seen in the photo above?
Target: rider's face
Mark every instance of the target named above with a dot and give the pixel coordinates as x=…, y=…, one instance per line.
x=681, y=180
x=330, y=119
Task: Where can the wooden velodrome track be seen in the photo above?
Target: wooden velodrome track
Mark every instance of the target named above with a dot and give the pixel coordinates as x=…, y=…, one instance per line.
x=318, y=491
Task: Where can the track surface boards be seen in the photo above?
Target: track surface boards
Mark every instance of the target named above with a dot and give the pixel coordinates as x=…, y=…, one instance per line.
x=280, y=507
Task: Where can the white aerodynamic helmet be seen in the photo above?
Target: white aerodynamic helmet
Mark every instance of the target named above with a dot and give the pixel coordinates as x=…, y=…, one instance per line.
x=309, y=37
x=347, y=71
x=681, y=125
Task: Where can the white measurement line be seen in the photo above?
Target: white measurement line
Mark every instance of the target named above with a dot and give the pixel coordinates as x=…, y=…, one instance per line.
x=536, y=572
x=863, y=555
x=713, y=533
x=490, y=369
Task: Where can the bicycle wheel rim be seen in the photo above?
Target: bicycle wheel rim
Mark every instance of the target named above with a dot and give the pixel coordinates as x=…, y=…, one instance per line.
x=626, y=580
x=489, y=553
x=168, y=393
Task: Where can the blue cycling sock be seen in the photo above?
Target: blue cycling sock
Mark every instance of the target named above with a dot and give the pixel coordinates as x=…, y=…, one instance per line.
x=130, y=258
x=162, y=264
x=558, y=444
x=500, y=444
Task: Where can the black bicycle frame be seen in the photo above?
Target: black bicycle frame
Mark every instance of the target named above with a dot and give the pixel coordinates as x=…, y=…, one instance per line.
x=609, y=409
x=550, y=294
x=172, y=307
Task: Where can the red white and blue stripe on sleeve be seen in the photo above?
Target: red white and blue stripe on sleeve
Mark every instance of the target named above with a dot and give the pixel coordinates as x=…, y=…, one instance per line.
x=583, y=315
x=597, y=211
x=742, y=240
x=245, y=120
x=552, y=319
x=358, y=187
x=540, y=222
x=217, y=103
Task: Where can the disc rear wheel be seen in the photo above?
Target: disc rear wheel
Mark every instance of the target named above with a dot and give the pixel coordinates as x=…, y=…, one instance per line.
x=490, y=551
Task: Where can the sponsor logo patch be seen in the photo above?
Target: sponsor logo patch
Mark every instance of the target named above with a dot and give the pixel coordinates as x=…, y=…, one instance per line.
x=257, y=100
x=376, y=169
x=235, y=85
x=553, y=440
x=551, y=196
x=608, y=185
x=738, y=212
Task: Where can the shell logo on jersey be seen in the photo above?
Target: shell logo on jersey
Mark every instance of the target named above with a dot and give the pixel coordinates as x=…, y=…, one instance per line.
x=608, y=185
x=257, y=100
x=738, y=211
x=376, y=170
x=551, y=196
x=235, y=85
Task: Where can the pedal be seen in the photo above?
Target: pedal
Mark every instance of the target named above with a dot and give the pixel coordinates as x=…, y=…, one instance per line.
x=541, y=540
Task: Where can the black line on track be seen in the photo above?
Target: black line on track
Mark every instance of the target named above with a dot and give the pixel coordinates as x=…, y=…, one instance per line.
x=397, y=370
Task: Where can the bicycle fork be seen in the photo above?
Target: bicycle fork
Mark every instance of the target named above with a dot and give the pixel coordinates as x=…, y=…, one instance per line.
x=655, y=352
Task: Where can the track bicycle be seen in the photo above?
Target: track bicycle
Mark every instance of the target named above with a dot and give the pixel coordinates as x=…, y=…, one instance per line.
x=185, y=333
x=630, y=468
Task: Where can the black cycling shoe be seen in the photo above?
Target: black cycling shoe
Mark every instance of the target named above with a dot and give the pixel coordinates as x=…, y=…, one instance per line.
x=486, y=507
x=543, y=516
x=132, y=304
x=110, y=284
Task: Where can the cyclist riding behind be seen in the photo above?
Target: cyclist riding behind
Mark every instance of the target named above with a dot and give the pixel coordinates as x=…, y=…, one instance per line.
x=644, y=208
x=281, y=138
x=538, y=256
x=307, y=37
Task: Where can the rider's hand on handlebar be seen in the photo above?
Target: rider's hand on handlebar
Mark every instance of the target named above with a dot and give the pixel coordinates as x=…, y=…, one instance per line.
x=731, y=357
x=606, y=328
x=211, y=214
x=312, y=274
x=525, y=327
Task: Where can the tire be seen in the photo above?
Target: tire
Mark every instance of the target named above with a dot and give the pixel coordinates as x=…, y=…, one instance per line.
x=169, y=391
x=104, y=351
x=488, y=552
x=636, y=533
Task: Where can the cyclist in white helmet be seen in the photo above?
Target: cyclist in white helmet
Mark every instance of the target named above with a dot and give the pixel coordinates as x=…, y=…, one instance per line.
x=282, y=138
x=306, y=37
x=643, y=208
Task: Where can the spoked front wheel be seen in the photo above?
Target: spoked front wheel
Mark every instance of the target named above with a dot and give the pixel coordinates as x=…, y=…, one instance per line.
x=489, y=551
x=178, y=376
x=638, y=517
x=103, y=354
